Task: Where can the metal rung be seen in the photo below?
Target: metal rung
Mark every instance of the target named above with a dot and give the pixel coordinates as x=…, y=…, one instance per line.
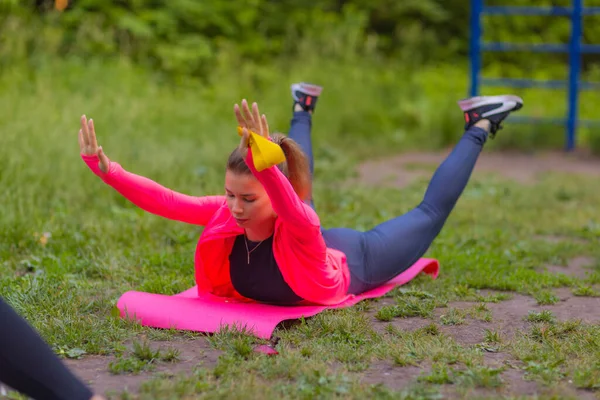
x=516, y=10
x=518, y=119
x=554, y=121
x=538, y=48
x=549, y=11
x=590, y=11
x=524, y=83
x=532, y=83
x=590, y=48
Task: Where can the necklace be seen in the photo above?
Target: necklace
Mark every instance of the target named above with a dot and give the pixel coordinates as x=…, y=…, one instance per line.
x=248, y=251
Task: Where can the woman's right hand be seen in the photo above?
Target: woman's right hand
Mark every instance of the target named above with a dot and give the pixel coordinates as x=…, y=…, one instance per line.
x=89, y=145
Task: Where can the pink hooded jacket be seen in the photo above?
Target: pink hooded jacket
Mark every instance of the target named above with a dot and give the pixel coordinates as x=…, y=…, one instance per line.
x=314, y=272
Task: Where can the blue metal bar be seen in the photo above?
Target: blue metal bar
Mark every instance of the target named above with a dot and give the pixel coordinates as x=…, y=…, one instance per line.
x=524, y=83
x=518, y=119
x=589, y=48
x=574, y=61
x=589, y=85
x=539, y=48
x=532, y=83
x=475, y=42
x=530, y=47
x=590, y=10
x=588, y=123
x=524, y=10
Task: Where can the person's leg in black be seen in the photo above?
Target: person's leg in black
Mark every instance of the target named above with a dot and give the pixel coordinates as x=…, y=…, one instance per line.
x=305, y=100
x=28, y=365
x=380, y=254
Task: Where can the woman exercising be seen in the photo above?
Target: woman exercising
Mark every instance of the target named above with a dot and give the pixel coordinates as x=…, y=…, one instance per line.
x=263, y=240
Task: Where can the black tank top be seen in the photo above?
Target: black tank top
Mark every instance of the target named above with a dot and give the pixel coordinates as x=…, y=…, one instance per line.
x=261, y=280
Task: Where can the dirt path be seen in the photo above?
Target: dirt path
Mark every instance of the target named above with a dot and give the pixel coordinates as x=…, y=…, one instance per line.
x=402, y=170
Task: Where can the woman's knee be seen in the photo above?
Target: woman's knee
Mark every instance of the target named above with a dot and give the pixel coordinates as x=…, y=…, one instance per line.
x=437, y=213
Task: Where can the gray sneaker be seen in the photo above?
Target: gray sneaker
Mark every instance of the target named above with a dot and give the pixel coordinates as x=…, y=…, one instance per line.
x=492, y=108
x=306, y=94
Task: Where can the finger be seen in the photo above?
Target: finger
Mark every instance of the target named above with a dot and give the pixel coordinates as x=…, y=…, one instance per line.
x=264, y=126
x=92, y=131
x=247, y=114
x=238, y=115
x=103, y=159
x=84, y=130
x=81, y=142
x=256, y=118
x=101, y=154
x=244, y=139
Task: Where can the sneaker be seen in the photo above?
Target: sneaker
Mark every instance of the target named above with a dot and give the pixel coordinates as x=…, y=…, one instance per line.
x=306, y=95
x=492, y=108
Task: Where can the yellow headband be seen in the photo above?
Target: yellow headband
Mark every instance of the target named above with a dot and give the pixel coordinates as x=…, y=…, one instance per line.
x=265, y=153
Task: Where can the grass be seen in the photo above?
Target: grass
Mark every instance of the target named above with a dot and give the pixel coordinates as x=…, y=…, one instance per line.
x=70, y=246
x=142, y=358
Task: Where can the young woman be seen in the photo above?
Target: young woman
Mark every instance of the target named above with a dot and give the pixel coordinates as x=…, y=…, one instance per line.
x=263, y=240
x=28, y=365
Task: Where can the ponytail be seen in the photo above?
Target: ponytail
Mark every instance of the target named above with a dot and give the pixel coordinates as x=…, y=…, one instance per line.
x=295, y=167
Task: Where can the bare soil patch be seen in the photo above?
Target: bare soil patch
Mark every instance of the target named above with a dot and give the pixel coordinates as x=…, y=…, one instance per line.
x=402, y=170
x=559, y=238
x=94, y=370
x=393, y=377
x=509, y=321
x=577, y=267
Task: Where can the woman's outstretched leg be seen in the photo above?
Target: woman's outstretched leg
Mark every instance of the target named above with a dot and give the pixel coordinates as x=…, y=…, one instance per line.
x=305, y=99
x=391, y=247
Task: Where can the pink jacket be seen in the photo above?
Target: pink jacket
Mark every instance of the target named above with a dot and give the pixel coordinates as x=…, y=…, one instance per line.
x=314, y=272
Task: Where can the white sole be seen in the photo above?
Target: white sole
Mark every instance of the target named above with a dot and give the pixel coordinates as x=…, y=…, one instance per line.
x=310, y=89
x=510, y=102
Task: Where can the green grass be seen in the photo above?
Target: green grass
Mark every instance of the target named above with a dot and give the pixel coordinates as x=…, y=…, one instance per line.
x=142, y=358
x=70, y=246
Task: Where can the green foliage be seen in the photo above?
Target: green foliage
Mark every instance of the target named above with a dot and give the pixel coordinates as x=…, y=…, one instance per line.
x=186, y=37
x=419, y=47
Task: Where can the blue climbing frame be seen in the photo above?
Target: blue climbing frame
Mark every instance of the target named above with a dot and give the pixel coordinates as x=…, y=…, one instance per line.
x=575, y=49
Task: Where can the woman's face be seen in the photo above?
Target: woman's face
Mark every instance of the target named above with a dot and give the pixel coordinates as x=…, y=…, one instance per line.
x=248, y=201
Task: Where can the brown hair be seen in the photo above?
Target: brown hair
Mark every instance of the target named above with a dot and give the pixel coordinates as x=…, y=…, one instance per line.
x=295, y=167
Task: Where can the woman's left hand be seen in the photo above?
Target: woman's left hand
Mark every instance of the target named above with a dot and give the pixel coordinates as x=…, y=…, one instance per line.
x=250, y=121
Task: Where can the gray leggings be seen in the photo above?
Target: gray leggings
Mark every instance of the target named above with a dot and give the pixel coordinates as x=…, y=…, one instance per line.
x=382, y=253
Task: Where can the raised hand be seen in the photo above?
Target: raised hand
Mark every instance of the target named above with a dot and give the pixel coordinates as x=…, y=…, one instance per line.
x=250, y=121
x=89, y=145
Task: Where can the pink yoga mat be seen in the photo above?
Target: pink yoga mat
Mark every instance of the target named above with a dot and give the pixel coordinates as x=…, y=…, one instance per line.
x=208, y=313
